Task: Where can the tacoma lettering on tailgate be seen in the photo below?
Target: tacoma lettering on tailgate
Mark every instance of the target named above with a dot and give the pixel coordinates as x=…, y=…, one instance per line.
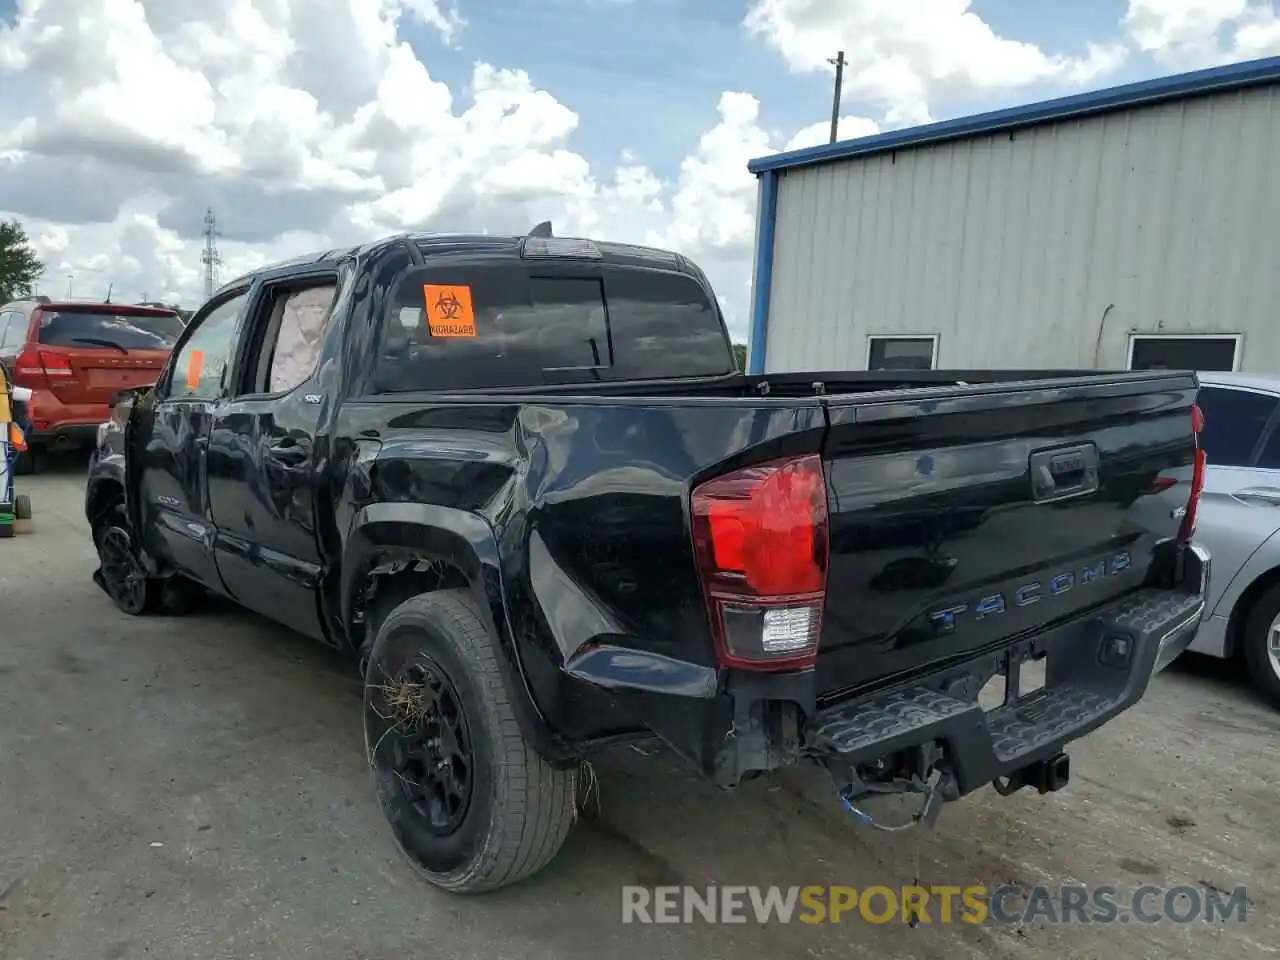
x=997, y=603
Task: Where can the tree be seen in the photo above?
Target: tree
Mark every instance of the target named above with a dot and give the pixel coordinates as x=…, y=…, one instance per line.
x=20, y=268
x=740, y=355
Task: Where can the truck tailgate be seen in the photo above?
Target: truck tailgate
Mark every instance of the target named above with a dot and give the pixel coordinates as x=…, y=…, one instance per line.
x=963, y=518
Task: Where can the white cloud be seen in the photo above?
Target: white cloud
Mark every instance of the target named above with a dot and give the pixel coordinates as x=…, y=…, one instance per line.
x=714, y=204
x=848, y=128
x=708, y=212
x=903, y=54
x=308, y=124
x=1186, y=34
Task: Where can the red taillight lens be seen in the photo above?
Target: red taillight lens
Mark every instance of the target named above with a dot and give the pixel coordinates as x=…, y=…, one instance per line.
x=36, y=365
x=27, y=368
x=55, y=364
x=760, y=536
x=1193, y=498
x=1188, y=528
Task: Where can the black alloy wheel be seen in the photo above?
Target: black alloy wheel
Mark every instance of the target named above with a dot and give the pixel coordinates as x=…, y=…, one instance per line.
x=471, y=804
x=421, y=739
x=123, y=575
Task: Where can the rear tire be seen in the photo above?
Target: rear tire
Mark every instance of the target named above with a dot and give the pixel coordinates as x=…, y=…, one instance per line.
x=471, y=804
x=1262, y=644
x=22, y=507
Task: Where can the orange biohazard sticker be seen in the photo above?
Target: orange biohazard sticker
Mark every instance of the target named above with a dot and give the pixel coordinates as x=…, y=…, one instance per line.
x=449, y=310
x=195, y=366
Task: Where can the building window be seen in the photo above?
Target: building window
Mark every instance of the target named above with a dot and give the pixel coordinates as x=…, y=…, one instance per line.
x=902, y=353
x=1202, y=352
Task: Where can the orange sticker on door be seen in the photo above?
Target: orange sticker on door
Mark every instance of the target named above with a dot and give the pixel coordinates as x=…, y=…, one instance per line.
x=449, y=310
x=195, y=367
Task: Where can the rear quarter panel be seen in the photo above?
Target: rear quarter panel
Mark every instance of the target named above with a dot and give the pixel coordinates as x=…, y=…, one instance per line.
x=587, y=500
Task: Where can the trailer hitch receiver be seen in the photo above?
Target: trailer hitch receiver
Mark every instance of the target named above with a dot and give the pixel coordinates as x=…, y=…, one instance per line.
x=1047, y=776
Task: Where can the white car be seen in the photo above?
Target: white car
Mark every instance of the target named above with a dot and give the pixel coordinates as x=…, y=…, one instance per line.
x=1238, y=520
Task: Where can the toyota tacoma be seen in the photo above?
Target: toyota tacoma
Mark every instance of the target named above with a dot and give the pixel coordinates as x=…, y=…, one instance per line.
x=521, y=480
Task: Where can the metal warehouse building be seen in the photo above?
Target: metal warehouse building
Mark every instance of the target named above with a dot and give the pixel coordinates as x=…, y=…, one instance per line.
x=1134, y=227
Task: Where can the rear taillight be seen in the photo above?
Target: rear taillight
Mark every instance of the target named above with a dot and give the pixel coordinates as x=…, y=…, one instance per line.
x=760, y=535
x=1188, y=529
x=27, y=368
x=37, y=366
x=55, y=364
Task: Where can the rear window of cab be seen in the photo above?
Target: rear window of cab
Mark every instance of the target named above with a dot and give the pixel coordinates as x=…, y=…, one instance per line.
x=456, y=327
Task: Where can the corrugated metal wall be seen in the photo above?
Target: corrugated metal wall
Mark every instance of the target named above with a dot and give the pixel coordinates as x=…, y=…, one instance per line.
x=1011, y=247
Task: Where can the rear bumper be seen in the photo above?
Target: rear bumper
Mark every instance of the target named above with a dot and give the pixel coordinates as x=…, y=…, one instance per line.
x=1097, y=667
x=66, y=435
x=59, y=424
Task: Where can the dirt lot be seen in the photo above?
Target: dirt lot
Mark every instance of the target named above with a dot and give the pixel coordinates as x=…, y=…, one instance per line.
x=195, y=788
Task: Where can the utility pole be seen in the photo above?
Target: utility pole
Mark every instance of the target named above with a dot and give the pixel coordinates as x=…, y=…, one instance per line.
x=838, y=62
x=210, y=257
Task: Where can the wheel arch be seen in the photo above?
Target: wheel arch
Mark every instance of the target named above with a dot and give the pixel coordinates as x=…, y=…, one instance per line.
x=102, y=494
x=1240, y=610
x=398, y=550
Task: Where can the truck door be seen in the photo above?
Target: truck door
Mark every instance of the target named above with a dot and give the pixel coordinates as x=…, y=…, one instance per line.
x=262, y=457
x=172, y=447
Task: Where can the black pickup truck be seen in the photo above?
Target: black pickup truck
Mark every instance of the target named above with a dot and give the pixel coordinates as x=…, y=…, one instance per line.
x=521, y=480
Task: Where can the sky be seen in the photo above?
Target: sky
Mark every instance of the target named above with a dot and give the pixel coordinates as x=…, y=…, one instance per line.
x=307, y=124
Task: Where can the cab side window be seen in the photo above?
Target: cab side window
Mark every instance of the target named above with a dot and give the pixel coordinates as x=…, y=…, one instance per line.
x=200, y=365
x=303, y=316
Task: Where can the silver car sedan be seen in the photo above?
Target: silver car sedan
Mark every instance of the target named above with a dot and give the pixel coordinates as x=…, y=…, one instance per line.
x=1238, y=520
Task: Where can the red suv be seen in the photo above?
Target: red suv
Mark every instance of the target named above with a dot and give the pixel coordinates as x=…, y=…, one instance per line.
x=76, y=356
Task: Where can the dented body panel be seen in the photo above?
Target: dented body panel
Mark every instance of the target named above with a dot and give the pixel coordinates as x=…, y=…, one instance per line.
x=564, y=508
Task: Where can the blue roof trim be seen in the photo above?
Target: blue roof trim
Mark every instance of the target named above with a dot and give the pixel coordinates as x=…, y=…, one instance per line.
x=757, y=337
x=1145, y=92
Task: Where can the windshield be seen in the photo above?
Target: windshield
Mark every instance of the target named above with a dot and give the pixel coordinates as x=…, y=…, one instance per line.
x=124, y=331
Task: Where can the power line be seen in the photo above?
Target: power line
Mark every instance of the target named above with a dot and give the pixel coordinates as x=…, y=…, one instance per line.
x=838, y=61
x=210, y=257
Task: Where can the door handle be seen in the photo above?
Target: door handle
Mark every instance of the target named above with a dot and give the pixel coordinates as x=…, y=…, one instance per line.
x=1261, y=495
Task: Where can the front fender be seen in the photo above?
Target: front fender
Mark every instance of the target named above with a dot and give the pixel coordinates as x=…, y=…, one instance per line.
x=382, y=532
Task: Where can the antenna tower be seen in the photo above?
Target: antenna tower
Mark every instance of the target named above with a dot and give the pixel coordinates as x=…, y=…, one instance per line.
x=210, y=257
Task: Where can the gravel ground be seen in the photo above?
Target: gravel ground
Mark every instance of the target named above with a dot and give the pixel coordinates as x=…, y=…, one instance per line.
x=195, y=788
